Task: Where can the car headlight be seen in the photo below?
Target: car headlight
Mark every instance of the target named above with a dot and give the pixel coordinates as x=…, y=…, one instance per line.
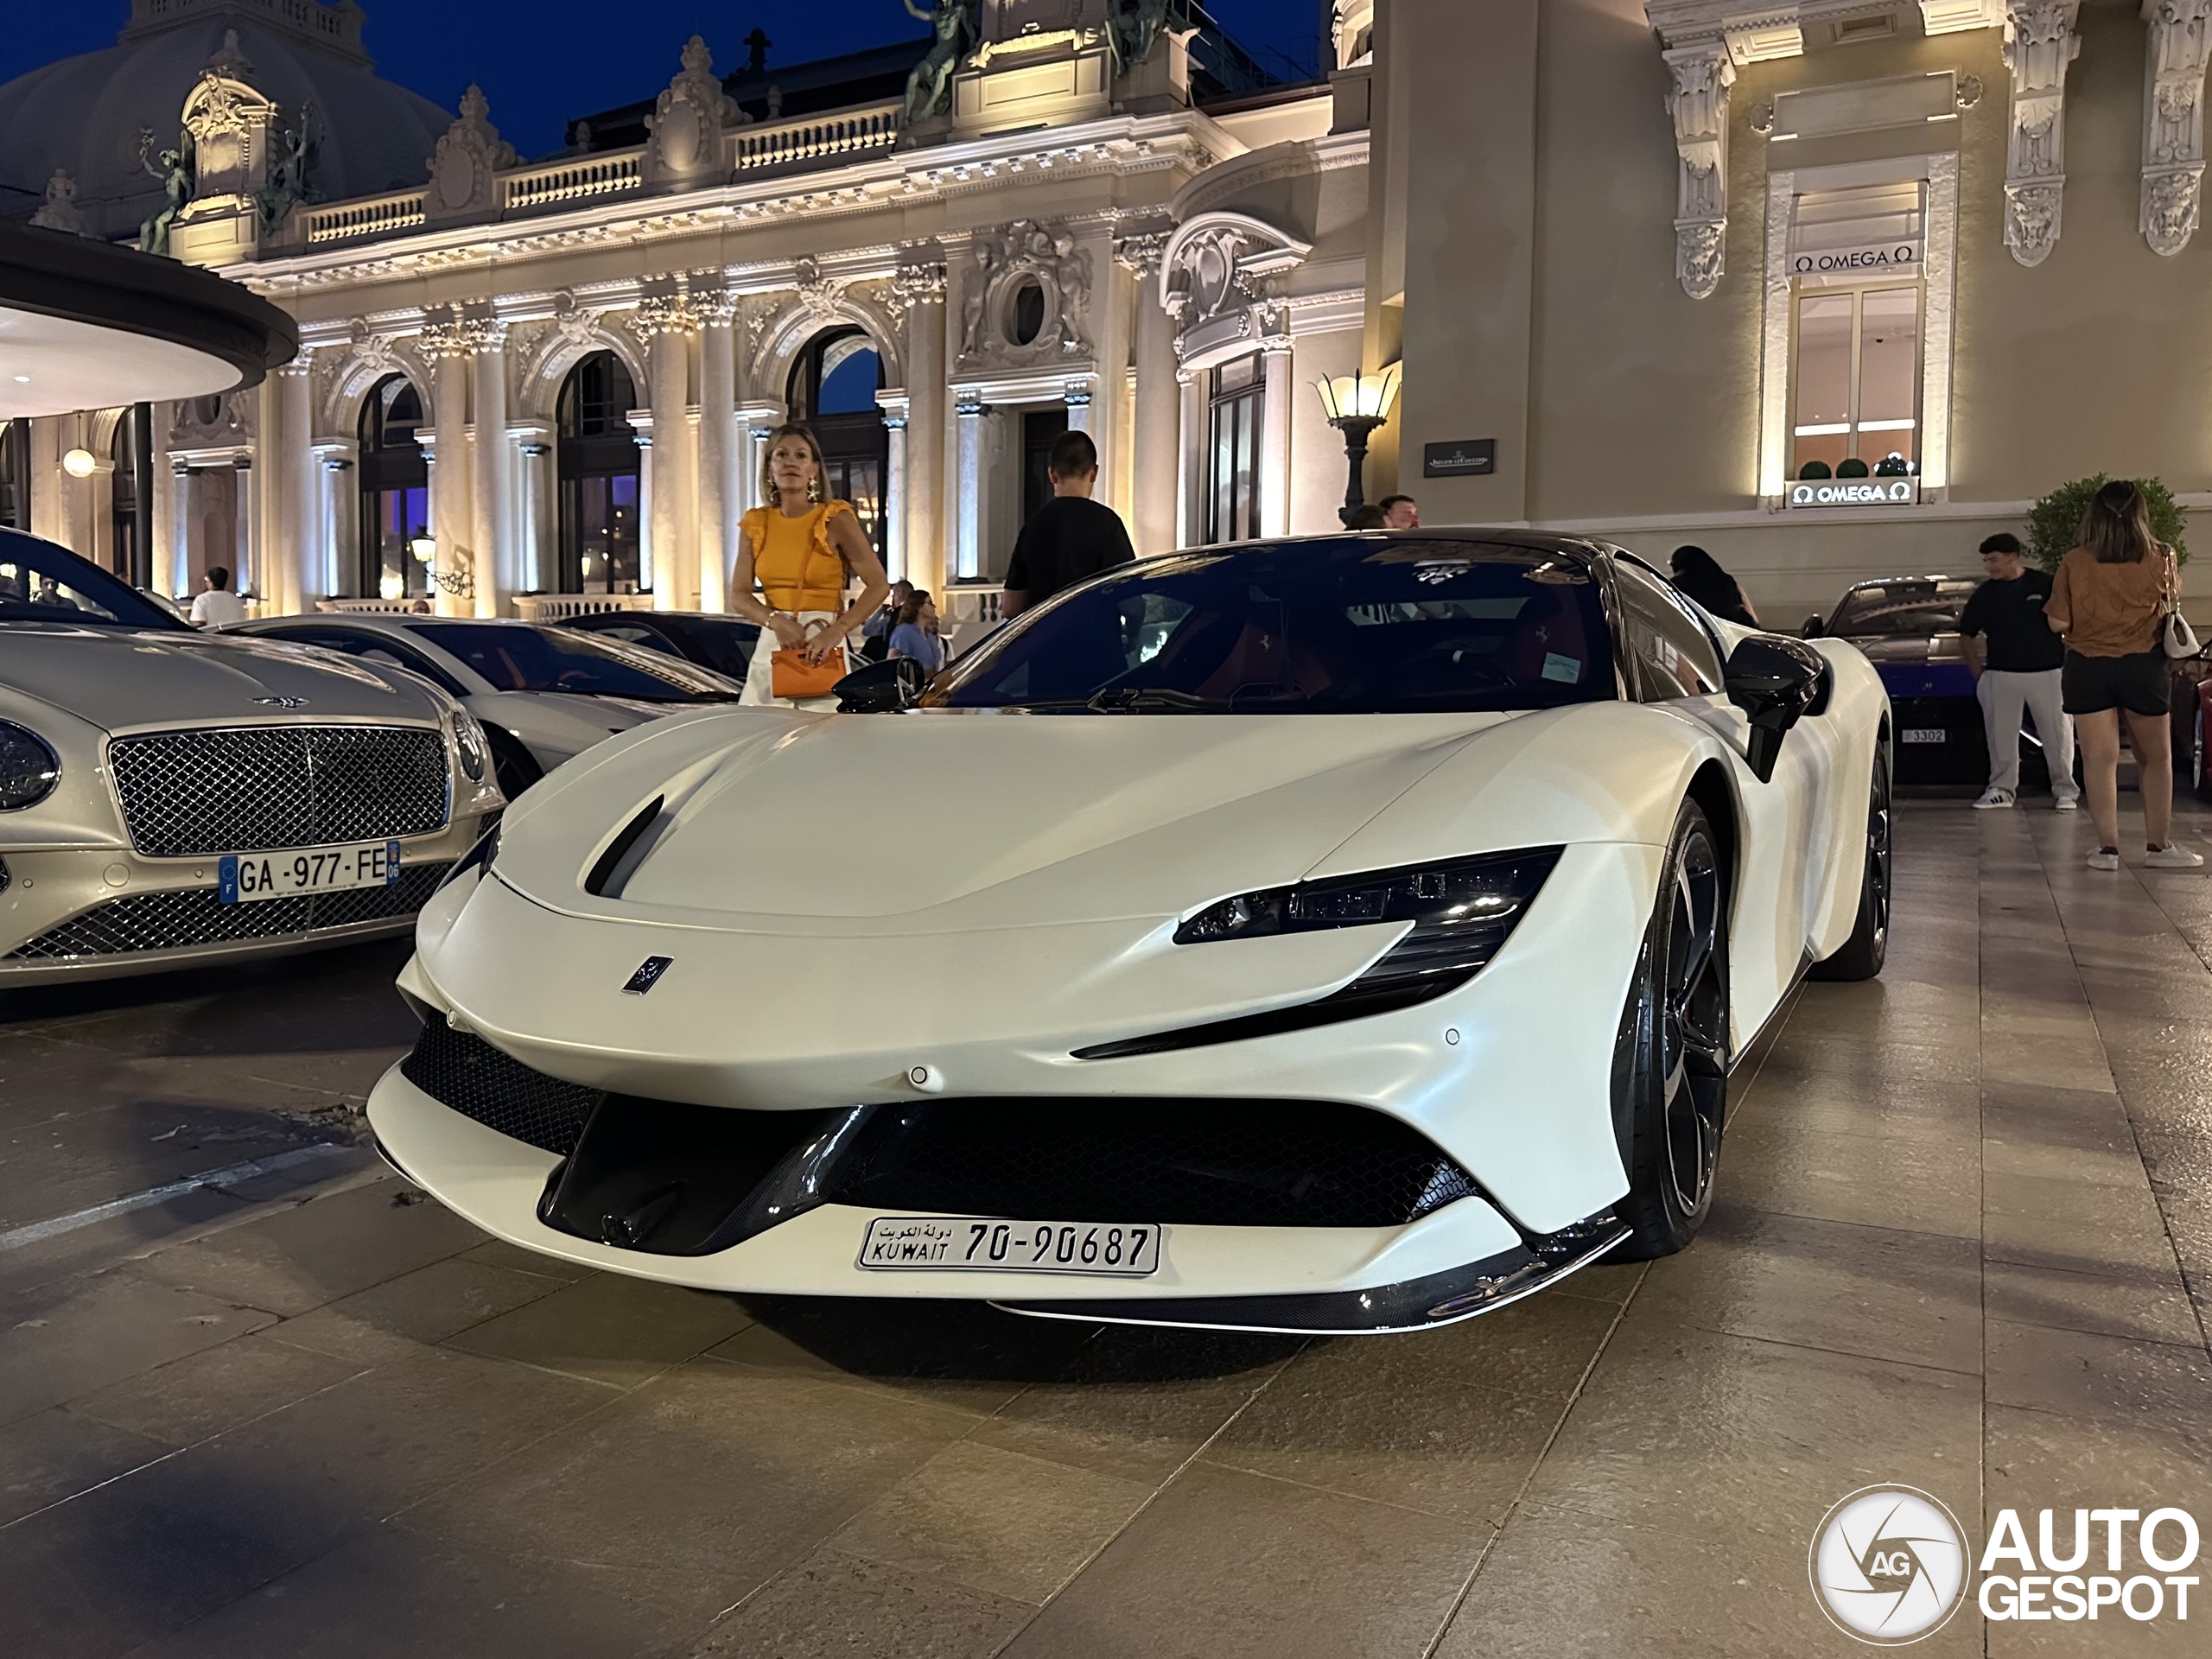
x=1463, y=911
x=28, y=768
x=468, y=740
x=478, y=857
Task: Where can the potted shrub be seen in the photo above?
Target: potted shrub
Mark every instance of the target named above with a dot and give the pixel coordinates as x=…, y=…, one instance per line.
x=2054, y=522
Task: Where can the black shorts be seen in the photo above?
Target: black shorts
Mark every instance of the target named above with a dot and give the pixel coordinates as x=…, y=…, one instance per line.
x=2089, y=685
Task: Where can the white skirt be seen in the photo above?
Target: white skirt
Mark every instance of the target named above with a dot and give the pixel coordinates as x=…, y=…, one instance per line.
x=760, y=675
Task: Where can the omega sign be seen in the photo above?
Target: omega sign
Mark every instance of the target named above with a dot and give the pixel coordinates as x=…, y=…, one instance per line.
x=1849, y=262
x=1854, y=492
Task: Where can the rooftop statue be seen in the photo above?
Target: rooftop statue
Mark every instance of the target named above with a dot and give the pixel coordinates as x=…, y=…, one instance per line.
x=1132, y=29
x=291, y=164
x=929, y=89
x=175, y=170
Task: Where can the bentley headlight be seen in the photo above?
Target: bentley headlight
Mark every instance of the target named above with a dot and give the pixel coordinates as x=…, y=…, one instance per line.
x=28, y=768
x=1462, y=912
x=468, y=740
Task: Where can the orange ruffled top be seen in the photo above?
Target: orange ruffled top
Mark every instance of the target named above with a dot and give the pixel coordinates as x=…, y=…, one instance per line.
x=798, y=566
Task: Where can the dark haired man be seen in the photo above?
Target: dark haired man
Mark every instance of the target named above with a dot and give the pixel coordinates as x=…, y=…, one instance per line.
x=1400, y=512
x=2016, y=660
x=1071, y=536
x=216, y=606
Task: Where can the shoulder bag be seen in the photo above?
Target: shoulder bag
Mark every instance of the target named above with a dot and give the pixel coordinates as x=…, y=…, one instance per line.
x=2176, y=637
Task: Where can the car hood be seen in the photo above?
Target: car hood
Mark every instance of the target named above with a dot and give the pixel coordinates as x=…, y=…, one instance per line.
x=123, y=680
x=877, y=824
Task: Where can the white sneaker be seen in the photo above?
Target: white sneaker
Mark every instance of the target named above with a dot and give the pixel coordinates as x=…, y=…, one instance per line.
x=2171, y=857
x=2066, y=803
x=2104, y=859
x=1994, y=798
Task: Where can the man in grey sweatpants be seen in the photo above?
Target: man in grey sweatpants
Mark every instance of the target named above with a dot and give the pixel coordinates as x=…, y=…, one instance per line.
x=2016, y=660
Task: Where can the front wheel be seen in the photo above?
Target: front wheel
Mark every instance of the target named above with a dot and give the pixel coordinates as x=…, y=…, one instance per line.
x=1868, y=947
x=1670, y=1075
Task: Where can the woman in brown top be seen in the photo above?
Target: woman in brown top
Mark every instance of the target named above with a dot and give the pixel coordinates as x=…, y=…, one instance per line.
x=2108, y=601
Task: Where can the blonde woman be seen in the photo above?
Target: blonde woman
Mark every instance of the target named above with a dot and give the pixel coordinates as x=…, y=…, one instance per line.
x=799, y=550
x=2107, y=601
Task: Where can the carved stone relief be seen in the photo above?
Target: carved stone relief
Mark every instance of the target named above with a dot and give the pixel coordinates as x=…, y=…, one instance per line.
x=919, y=282
x=2039, y=44
x=59, y=212
x=1221, y=281
x=1699, y=106
x=688, y=120
x=464, y=182
x=1025, y=298
x=2173, y=119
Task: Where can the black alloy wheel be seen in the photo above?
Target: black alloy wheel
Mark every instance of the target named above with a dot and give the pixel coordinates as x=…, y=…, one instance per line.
x=1868, y=947
x=1670, y=1073
x=512, y=764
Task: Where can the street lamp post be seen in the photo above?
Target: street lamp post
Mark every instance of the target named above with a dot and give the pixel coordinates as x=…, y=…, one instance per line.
x=1356, y=406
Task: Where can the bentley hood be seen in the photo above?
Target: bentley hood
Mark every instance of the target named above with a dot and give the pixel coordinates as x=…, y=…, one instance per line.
x=853, y=825
x=123, y=681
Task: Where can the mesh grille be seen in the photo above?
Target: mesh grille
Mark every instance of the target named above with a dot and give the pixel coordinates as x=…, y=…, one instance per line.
x=176, y=921
x=500, y=1092
x=1258, y=1163
x=255, y=788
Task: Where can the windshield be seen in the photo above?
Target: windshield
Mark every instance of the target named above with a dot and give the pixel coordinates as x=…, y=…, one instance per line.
x=1923, y=606
x=515, y=658
x=40, y=583
x=1337, y=627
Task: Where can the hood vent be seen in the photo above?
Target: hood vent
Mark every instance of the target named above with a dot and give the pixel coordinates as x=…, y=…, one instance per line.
x=614, y=867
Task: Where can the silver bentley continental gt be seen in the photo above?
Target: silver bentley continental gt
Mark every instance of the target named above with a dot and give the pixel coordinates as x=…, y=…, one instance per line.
x=169, y=798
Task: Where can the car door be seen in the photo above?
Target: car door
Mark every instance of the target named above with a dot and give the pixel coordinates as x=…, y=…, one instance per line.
x=1784, y=862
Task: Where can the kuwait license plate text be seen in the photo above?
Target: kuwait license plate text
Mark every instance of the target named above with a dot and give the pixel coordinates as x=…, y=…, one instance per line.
x=245, y=878
x=1121, y=1250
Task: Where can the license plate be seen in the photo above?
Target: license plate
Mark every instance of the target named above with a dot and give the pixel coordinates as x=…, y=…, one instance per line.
x=956, y=1244
x=248, y=878
x=1923, y=734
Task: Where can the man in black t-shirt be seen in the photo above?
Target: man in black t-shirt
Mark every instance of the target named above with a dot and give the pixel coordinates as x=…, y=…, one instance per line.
x=1071, y=536
x=2016, y=660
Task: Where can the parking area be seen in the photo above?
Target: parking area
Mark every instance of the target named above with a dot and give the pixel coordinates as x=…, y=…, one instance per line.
x=258, y=1396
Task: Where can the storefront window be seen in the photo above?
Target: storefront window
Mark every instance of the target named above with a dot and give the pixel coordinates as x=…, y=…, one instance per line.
x=395, y=493
x=599, y=479
x=1855, y=258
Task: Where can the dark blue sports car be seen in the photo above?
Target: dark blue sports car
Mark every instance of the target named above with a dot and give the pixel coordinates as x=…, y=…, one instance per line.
x=1909, y=628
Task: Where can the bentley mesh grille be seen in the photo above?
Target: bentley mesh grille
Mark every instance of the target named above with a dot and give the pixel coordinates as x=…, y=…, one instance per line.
x=1228, y=1163
x=178, y=920
x=477, y=1080
x=253, y=788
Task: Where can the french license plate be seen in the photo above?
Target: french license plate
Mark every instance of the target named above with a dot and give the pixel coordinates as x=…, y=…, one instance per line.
x=1923, y=734
x=939, y=1243
x=248, y=878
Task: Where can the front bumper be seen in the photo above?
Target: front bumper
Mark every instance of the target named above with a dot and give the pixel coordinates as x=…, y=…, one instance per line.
x=1462, y=1259
x=102, y=912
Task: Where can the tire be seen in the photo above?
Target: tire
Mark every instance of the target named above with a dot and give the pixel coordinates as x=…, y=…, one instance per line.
x=1670, y=1068
x=1864, y=952
x=512, y=765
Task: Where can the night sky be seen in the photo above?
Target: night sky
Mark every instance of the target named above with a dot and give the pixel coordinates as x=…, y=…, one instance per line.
x=542, y=63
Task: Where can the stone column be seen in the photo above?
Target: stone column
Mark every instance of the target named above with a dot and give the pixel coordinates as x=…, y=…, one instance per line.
x=299, y=560
x=895, y=492
x=451, y=518
x=1191, y=471
x=165, y=558
x=1275, y=438
x=336, y=501
x=919, y=289
x=537, y=557
x=1153, y=507
x=720, y=447
x=971, y=411
x=491, y=516
x=664, y=321
x=76, y=493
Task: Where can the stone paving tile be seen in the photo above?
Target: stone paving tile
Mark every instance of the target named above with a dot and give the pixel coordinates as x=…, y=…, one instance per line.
x=608, y=1329
x=428, y=1305
x=2140, y=1310
x=1010, y=1525
x=57, y=1454
x=189, y=1400
x=837, y=1607
x=696, y=1489
x=101, y=1331
x=2077, y=1226
x=2084, y=1374
x=1226, y=1565
x=1769, y=1162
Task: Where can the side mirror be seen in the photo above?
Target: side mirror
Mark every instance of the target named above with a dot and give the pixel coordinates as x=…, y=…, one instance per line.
x=1775, y=681
x=1815, y=627
x=882, y=687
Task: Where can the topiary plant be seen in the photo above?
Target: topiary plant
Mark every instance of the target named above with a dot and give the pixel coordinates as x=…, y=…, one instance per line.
x=2055, y=522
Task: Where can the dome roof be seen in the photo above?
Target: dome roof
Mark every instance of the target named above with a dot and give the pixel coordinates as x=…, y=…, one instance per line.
x=84, y=114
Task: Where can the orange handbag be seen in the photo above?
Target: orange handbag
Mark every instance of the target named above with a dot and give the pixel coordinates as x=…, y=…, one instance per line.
x=793, y=676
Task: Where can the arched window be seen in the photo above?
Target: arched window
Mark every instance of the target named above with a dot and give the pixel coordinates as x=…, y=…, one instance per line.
x=395, y=493
x=597, y=469
x=123, y=516
x=833, y=389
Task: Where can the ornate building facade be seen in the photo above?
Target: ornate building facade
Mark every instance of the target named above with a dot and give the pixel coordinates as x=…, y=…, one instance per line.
x=1831, y=287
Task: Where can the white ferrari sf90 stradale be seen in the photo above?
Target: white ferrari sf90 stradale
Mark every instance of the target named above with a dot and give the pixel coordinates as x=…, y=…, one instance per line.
x=1339, y=935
